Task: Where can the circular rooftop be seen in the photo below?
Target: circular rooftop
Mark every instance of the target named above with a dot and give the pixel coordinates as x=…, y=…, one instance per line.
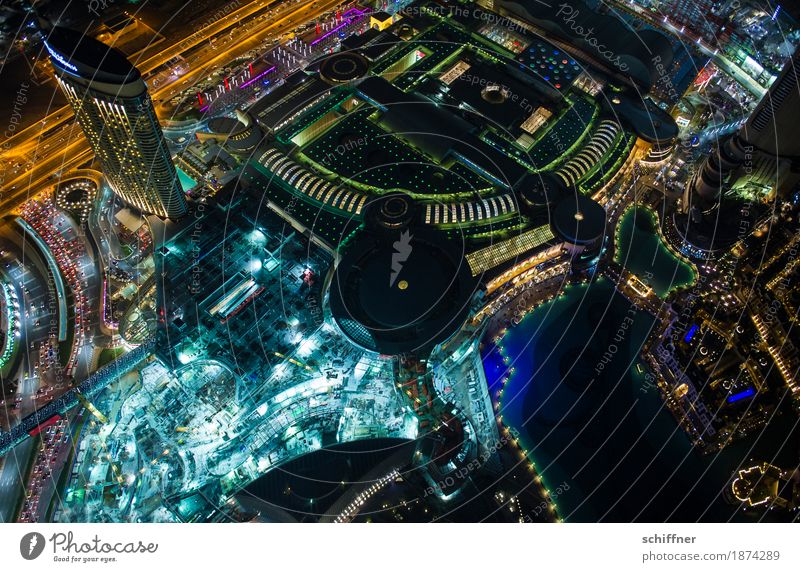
x=401, y=292
x=226, y=125
x=343, y=67
x=77, y=53
x=238, y=133
x=579, y=220
x=717, y=229
x=539, y=189
x=391, y=211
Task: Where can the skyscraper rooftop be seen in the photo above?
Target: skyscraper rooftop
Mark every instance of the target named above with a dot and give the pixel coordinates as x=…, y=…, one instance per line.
x=114, y=109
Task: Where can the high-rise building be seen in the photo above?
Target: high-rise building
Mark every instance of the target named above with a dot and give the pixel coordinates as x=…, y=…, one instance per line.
x=766, y=147
x=114, y=109
x=770, y=127
x=763, y=155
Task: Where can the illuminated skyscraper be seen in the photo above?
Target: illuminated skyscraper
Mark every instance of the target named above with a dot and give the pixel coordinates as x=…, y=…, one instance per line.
x=765, y=148
x=114, y=109
x=761, y=157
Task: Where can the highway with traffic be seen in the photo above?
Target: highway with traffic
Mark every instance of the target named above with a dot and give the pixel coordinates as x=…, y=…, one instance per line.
x=41, y=152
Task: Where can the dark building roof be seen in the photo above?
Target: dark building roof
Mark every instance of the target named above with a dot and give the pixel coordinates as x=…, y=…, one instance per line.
x=92, y=60
x=372, y=44
x=401, y=291
x=381, y=16
x=495, y=95
x=343, y=67
x=298, y=91
x=239, y=136
x=645, y=119
x=318, y=475
x=436, y=130
x=579, y=220
x=118, y=22
x=615, y=46
x=412, y=117
x=536, y=190
x=487, y=160
x=390, y=211
x=355, y=41
x=766, y=128
x=415, y=18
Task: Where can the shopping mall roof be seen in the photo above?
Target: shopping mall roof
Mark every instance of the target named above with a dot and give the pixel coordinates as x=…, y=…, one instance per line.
x=403, y=291
x=579, y=220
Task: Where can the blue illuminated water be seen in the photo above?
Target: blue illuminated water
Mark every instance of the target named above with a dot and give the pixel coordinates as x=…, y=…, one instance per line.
x=186, y=181
x=593, y=421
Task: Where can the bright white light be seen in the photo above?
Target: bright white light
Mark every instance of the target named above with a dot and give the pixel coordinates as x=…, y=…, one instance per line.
x=60, y=59
x=306, y=348
x=257, y=237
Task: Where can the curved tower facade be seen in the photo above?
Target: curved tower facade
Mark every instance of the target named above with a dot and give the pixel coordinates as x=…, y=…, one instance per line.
x=114, y=109
x=770, y=127
x=766, y=146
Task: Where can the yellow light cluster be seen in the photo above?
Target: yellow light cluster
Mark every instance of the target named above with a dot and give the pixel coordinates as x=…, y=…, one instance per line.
x=486, y=258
